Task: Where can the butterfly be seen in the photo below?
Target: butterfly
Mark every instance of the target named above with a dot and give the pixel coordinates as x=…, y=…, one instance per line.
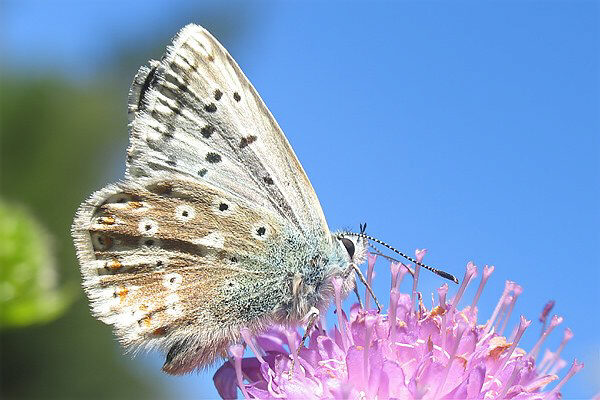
x=215, y=227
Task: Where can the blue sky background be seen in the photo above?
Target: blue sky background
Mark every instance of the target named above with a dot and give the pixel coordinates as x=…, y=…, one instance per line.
x=468, y=128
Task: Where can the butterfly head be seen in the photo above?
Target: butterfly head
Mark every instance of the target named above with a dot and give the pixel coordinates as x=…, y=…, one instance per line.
x=353, y=247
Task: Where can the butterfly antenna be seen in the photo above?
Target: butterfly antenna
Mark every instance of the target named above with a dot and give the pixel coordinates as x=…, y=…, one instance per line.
x=379, y=253
x=436, y=271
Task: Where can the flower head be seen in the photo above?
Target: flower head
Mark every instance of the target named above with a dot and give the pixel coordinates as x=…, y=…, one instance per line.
x=409, y=353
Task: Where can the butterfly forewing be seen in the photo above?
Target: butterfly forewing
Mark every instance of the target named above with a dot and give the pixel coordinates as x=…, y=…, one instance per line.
x=195, y=113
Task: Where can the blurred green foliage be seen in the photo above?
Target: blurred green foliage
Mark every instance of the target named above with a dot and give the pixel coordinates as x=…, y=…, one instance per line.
x=28, y=292
x=57, y=141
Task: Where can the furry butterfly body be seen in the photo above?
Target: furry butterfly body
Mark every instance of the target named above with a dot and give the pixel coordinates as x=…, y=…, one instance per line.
x=215, y=227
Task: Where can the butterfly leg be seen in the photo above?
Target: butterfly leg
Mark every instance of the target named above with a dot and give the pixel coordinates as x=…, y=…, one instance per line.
x=311, y=318
x=364, y=281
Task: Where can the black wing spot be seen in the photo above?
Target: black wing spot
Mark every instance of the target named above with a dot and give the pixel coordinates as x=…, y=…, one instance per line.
x=145, y=86
x=236, y=96
x=207, y=131
x=176, y=351
x=268, y=180
x=261, y=231
x=223, y=207
x=162, y=188
x=102, y=242
x=246, y=141
x=218, y=95
x=213, y=158
x=211, y=108
x=202, y=172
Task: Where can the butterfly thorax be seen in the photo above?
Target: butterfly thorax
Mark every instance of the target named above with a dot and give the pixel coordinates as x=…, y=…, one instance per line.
x=293, y=275
x=313, y=262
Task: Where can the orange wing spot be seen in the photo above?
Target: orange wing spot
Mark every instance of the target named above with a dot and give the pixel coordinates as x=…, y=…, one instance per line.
x=136, y=204
x=106, y=220
x=122, y=294
x=147, y=321
x=143, y=307
x=114, y=264
x=160, y=331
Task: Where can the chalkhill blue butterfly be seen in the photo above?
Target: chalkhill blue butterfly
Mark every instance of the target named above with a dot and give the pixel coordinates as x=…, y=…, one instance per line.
x=215, y=226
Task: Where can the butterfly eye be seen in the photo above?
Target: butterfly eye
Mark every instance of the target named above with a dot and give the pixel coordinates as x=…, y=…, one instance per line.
x=349, y=245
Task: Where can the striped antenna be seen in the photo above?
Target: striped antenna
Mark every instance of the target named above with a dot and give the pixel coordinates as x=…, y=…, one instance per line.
x=380, y=253
x=436, y=271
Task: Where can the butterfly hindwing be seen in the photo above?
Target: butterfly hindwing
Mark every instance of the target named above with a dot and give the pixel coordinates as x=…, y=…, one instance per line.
x=195, y=113
x=166, y=261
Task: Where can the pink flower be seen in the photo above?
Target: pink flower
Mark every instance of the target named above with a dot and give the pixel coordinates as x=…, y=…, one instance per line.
x=409, y=353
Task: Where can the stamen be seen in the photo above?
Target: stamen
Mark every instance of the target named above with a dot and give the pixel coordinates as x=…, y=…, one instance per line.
x=547, y=360
x=560, y=364
x=459, y=332
x=507, y=288
x=574, y=369
x=371, y=258
x=470, y=273
x=249, y=339
x=442, y=292
x=556, y=320
x=544, y=314
x=523, y=324
x=567, y=336
x=395, y=268
x=511, y=378
x=487, y=272
x=422, y=308
x=237, y=352
x=419, y=254
x=517, y=290
x=337, y=287
x=503, y=312
x=404, y=269
x=369, y=322
x=292, y=339
x=394, y=296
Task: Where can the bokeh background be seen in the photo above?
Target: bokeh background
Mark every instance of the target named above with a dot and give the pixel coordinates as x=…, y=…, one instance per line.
x=469, y=128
